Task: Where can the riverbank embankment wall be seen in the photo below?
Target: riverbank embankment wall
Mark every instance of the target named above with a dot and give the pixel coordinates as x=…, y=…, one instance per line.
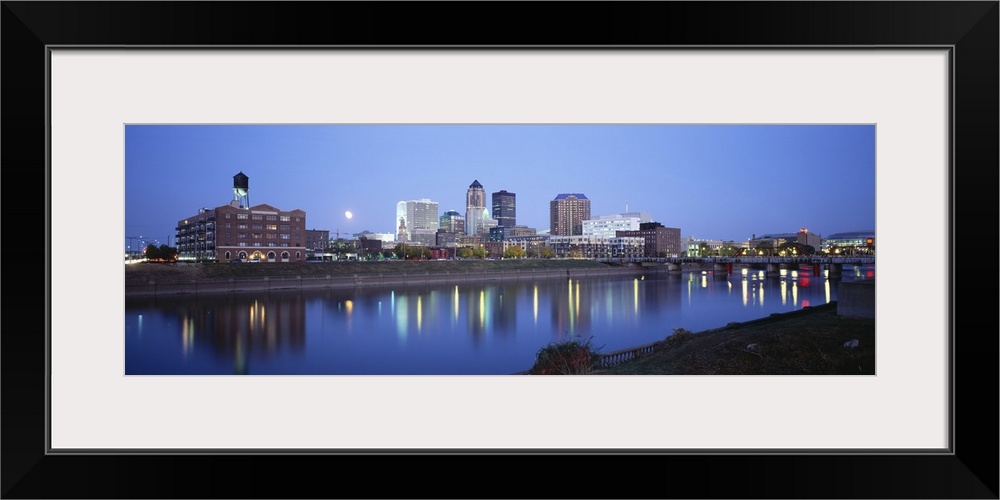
x=264, y=284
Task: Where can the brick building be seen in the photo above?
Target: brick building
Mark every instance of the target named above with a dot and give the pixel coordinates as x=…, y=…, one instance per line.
x=240, y=231
x=659, y=241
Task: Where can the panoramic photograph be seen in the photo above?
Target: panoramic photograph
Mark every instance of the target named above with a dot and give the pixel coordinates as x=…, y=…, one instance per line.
x=536, y=249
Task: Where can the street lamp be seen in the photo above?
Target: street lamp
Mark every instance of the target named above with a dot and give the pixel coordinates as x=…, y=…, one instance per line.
x=131, y=252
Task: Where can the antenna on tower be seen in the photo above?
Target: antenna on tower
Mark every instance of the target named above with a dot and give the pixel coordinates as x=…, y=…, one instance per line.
x=626, y=207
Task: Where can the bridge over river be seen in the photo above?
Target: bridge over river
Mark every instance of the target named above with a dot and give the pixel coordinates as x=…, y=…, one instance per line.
x=724, y=266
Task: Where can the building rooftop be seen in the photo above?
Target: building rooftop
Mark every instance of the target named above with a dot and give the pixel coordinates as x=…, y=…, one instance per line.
x=564, y=196
x=851, y=235
x=777, y=235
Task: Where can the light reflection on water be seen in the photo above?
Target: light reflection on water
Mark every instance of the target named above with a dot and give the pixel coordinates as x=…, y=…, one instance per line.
x=447, y=330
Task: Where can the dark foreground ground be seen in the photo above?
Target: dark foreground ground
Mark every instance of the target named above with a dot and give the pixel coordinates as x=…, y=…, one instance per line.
x=806, y=342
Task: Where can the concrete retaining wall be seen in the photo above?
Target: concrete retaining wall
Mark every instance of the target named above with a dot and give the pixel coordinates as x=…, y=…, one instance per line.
x=378, y=280
x=856, y=298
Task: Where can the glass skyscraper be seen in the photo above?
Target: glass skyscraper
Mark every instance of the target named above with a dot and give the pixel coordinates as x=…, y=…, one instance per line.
x=505, y=208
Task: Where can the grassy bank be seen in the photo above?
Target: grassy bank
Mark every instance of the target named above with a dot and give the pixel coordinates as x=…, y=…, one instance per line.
x=808, y=342
x=183, y=272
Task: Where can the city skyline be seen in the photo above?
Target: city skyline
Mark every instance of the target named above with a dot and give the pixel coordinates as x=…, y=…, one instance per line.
x=723, y=182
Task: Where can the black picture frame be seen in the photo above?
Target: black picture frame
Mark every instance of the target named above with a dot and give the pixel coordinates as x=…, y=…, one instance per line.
x=970, y=28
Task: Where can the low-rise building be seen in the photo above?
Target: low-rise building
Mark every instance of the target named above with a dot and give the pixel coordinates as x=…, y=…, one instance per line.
x=228, y=232
x=850, y=243
x=597, y=247
x=445, y=238
x=317, y=239
x=700, y=247
x=423, y=236
x=501, y=233
x=773, y=242
x=609, y=225
x=659, y=241
x=531, y=244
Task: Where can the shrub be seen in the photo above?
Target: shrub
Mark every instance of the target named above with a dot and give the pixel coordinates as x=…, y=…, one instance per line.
x=680, y=336
x=570, y=357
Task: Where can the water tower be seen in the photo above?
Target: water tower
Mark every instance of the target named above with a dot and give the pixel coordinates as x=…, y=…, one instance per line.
x=241, y=185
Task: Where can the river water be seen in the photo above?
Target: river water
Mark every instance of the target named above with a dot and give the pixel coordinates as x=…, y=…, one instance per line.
x=468, y=329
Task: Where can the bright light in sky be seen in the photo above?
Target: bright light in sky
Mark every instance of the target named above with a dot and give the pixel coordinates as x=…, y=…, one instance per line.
x=721, y=182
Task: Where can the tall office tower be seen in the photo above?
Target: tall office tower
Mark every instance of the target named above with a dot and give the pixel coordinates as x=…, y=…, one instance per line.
x=567, y=213
x=416, y=216
x=475, y=203
x=422, y=214
x=504, y=208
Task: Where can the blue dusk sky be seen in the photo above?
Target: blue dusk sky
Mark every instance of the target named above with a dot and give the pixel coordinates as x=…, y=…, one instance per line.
x=721, y=182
